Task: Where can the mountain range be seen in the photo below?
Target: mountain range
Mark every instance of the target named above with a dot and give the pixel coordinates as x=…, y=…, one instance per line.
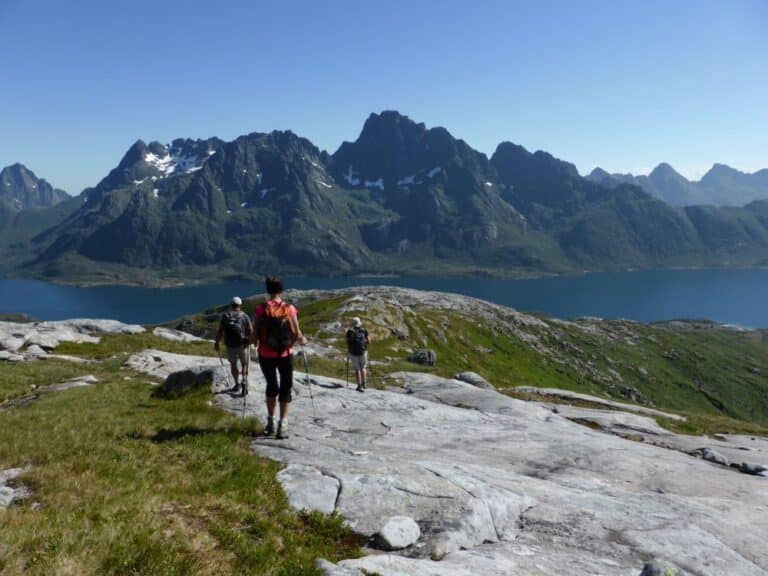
x=401, y=198
x=720, y=186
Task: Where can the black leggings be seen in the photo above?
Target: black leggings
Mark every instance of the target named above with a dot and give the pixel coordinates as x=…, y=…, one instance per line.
x=270, y=367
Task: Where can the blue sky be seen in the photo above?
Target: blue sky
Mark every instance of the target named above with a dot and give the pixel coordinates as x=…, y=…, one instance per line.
x=620, y=84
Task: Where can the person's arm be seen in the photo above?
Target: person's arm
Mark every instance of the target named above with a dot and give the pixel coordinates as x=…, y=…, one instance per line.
x=299, y=334
x=249, y=329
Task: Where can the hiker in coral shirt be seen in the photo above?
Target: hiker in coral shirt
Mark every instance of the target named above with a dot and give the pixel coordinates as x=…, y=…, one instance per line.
x=276, y=330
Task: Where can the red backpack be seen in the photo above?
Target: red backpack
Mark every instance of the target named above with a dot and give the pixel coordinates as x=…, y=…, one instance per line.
x=276, y=327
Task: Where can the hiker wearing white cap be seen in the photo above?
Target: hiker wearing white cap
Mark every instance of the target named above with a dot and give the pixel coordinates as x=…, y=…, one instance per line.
x=236, y=328
x=357, y=349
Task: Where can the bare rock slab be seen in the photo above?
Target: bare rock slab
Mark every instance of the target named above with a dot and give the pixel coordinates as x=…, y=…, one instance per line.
x=308, y=488
x=176, y=335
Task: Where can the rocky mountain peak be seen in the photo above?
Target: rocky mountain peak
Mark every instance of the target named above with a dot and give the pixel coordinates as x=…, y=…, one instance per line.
x=21, y=189
x=665, y=170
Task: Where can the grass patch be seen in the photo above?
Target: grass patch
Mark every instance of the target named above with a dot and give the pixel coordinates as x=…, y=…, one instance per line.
x=125, y=483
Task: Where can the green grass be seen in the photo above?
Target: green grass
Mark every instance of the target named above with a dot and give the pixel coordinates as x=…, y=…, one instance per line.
x=125, y=483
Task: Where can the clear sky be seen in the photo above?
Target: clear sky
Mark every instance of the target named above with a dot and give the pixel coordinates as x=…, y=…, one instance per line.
x=619, y=84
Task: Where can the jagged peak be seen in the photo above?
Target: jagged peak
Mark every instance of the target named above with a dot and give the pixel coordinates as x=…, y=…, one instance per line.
x=598, y=173
x=665, y=170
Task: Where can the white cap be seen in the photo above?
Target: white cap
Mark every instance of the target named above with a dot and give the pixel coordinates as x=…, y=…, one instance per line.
x=356, y=322
x=236, y=301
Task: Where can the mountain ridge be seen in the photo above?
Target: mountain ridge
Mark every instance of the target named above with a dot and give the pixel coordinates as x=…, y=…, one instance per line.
x=401, y=198
x=721, y=185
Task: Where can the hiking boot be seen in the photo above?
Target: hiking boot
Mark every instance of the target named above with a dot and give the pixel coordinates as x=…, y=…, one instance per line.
x=245, y=386
x=236, y=390
x=360, y=388
x=270, y=428
x=282, y=430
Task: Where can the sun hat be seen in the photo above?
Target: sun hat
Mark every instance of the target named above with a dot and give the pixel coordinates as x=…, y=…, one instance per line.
x=356, y=322
x=236, y=301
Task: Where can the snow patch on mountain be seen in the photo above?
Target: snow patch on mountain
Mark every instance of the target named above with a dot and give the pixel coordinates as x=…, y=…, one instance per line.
x=434, y=172
x=350, y=177
x=375, y=184
x=173, y=163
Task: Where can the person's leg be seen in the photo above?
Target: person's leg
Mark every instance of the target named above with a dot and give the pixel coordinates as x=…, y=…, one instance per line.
x=269, y=369
x=232, y=355
x=244, y=361
x=363, y=364
x=285, y=367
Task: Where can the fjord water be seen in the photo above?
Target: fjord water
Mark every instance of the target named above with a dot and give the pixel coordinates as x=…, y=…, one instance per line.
x=731, y=296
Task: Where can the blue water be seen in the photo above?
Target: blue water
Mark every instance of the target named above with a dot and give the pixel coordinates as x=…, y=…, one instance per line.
x=728, y=296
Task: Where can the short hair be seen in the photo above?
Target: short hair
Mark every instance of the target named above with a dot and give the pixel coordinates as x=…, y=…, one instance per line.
x=274, y=285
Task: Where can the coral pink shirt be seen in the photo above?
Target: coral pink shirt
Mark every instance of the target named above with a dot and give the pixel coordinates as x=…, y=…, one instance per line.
x=266, y=351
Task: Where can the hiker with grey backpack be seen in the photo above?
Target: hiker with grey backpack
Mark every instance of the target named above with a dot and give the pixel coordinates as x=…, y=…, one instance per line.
x=277, y=329
x=357, y=351
x=236, y=329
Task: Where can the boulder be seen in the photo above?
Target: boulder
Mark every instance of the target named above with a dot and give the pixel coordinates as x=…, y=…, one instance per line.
x=9, y=356
x=424, y=357
x=12, y=343
x=475, y=379
x=183, y=381
x=399, y=532
x=35, y=350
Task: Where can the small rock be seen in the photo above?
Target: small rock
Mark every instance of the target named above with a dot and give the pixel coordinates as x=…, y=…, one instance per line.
x=660, y=568
x=475, y=379
x=77, y=382
x=399, y=532
x=424, y=357
x=711, y=456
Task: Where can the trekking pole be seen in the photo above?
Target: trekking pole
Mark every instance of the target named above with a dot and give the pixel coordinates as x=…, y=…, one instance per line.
x=245, y=394
x=309, y=383
x=226, y=374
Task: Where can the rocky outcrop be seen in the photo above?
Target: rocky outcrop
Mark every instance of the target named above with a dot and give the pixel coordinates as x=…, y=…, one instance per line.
x=28, y=340
x=10, y=489
x=499, y=486
x=423, y=357
x=570, y=395
x=176, y=335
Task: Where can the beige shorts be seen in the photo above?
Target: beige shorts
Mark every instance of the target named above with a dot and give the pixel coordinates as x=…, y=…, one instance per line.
x=358, y=362
x=242, y=353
